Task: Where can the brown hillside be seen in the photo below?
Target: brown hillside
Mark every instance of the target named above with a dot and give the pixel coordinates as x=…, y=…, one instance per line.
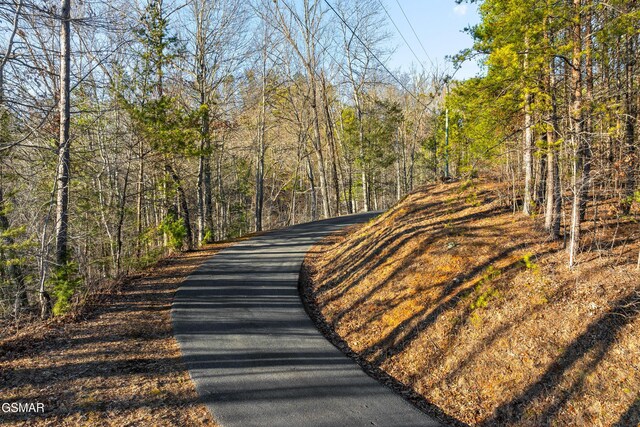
x=473, y=308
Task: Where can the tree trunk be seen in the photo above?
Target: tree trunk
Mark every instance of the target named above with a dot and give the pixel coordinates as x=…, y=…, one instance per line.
x=351, y=208
x=553, y=197
x=317, y=147
x=221, y=208
x=140, y=198
x=399, y=174
x=299, y=150
x=62, y=175
x=366, y=196
x=205, y=217
x=313, y=192
x=553, y=194
x=446, y=135
x=332, y=146
x=122, y=210
x=208, y=192
x=260, y=156
x=528, y=141
x=204, y=175
x=200, y=191
x=578, y=176
x=586, y=154
x=631, y=118
x=366, y=200
x=182, y=203
x=541, y=185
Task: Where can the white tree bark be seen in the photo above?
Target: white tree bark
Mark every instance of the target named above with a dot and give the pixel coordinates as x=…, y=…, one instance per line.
x=64, y=106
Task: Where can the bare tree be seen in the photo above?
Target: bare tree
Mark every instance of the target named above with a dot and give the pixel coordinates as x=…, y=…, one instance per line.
x=361, y=68
x=528, y=139
x=302, y=31
x=64, y=107
x=577, y=137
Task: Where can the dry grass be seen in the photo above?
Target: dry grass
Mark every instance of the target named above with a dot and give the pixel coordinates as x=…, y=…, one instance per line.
x=475, y=310
x=118, y=365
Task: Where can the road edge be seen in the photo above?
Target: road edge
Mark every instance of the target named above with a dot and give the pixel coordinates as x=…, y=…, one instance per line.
x=406, y=392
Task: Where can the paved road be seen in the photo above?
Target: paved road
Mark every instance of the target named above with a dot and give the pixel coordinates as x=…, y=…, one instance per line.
x=254, y=354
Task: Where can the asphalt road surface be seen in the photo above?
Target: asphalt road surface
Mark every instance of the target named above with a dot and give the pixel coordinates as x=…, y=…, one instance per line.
x=255, y=356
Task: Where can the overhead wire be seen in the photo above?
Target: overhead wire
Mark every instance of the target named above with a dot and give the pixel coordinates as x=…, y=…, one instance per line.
x=315, y=38
x=324, y=49
x=414, y=33
x=402, y=35
x=346, y=24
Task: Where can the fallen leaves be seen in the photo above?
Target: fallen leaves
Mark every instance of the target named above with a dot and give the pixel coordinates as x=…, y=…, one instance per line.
x=118, y=366
x=536, y=345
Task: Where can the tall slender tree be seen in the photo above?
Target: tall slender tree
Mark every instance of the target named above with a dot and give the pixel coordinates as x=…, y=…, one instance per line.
x=64, y=142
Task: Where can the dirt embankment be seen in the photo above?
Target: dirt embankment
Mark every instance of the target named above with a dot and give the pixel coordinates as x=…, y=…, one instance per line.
x=118, y=365
x=473, y=309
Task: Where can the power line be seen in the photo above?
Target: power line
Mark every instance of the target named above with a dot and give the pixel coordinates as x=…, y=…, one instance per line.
x=324, y=49
x=401, y=35
x=415, y=34
x=374, y=55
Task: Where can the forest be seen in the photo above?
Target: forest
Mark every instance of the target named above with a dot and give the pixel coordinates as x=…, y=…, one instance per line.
x=132, y=129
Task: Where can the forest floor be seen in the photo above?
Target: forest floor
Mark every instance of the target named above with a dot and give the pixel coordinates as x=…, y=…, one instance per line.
x=470, y=309
x=115, y=364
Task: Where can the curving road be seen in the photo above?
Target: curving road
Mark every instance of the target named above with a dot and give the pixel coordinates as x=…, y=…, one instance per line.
x=254, y=354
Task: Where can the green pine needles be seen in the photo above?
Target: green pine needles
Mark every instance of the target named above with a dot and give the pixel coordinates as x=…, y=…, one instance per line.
x=175, y=230
x=65, y=281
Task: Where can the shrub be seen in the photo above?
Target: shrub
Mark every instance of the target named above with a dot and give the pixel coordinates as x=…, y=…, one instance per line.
x=175, y=231
x=208, y=237
x=528, y=264
x=483, y=291
x=65, y=282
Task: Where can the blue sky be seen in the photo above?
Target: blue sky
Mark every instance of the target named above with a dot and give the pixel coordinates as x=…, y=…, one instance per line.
x=439, y=25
